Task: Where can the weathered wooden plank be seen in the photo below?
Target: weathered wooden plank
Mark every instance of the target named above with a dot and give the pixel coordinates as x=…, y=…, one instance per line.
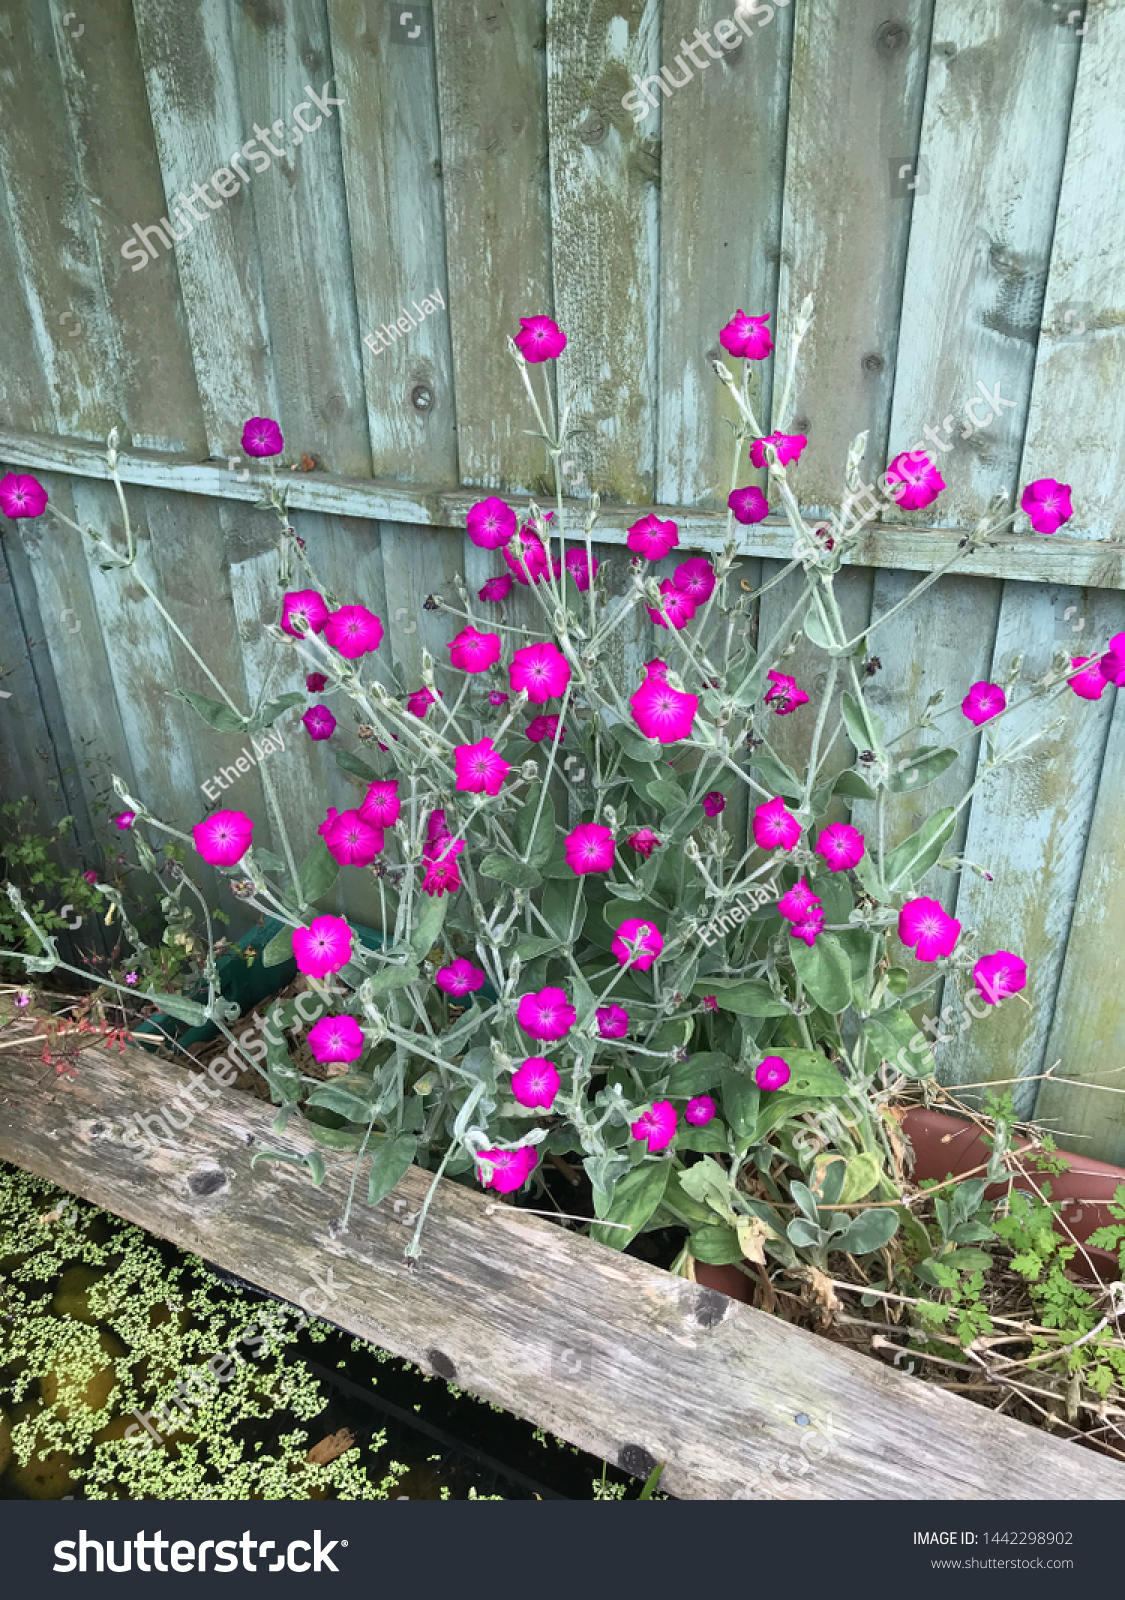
x=623, y=1360
x=1087, y=1033
x=29, y=765
x=605, y=210
x=717, y=252
x=197, y=119
x=1074, y=425
x=115, y=157
x=301, y=230
x=980, y=241
x=1029, y=827
x=391, y=150
x=847, y=222
x=1029, y=559
x=492, y=98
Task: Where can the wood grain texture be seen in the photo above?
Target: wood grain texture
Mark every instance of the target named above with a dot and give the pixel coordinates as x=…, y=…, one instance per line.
x=628, y=1362
x=980, y=241
x=1087, y=1034
x=391, y=148
x=855, y=107
x=1022, y=558
x=1073, y=430
x=605, y=208
x=492, y=97
x=1029, y=826
x=722, y=176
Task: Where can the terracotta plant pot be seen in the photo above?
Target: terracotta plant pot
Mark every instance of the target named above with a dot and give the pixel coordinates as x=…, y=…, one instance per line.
x=731, y=1281
x=945, y=1145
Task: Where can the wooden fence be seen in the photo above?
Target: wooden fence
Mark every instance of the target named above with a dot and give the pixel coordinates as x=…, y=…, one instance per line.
x=941, y=174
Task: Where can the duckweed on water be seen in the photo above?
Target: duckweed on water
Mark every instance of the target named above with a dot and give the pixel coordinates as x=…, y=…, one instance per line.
x=97, y=1323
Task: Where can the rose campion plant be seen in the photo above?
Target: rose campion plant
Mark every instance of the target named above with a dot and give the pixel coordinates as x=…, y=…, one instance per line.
x=531, y=903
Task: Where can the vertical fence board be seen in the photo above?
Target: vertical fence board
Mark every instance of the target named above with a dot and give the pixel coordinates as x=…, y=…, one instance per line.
x=720, y=232
x=493, y=103
x=980, y=241
x=1074, y=427
x=1088, y=1029
x=392, y=174
x=1028, y=827
x=605, y=210
x=855, y=106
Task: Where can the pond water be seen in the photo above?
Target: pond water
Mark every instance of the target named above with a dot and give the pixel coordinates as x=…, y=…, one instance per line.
x=129, y=1370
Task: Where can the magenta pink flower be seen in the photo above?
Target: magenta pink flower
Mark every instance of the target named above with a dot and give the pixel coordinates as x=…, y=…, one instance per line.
x=536, y=1083
x=422, y=699
x=540, y=728
x=324, y=946
x=999, y=975
x=497, y=697
x=984, y=700
x=326, y=826
x=783, y=696
x=336, y=1039
x=589, y=848
x=437, y=829
x=772, y=1073
x=316, y=682
x=459, y=977
x=675, y=609
x=749, y=505
x=224, y=837
x=637, y=943
x=352, y=841
x=474, y=652
x=841, y=846
x=496, y=589
x=491, y=523
x=353, y=631
x=542, y=670
x=22, y=1000
x=506, y=1170
x=788, y=446
x=302, y=612
x=613, y=1021
x=540, y=339
x=656, y=1127
x=1088, y=684
x=662, y=712
x=808, y=925
x=747, y=336
x=710, y=1003
x=547, y=1014
x=919, y=481
x=714, y=803
x=700, y=1110
x=90, y=877
x=643, y=841
x=262, y=437
x=381, y=805
x=22, y=496
x=481, y=769
x=578, y=567
x=656, y=668
x=125, y=819
x=440, y=866
x=525, y=557
x=319, y=722
x=797, y=901
x=923, y=923
x=774, y=827
x=1112, y=664
x=652, y=538
x=695, y=578
x=1048, y=505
